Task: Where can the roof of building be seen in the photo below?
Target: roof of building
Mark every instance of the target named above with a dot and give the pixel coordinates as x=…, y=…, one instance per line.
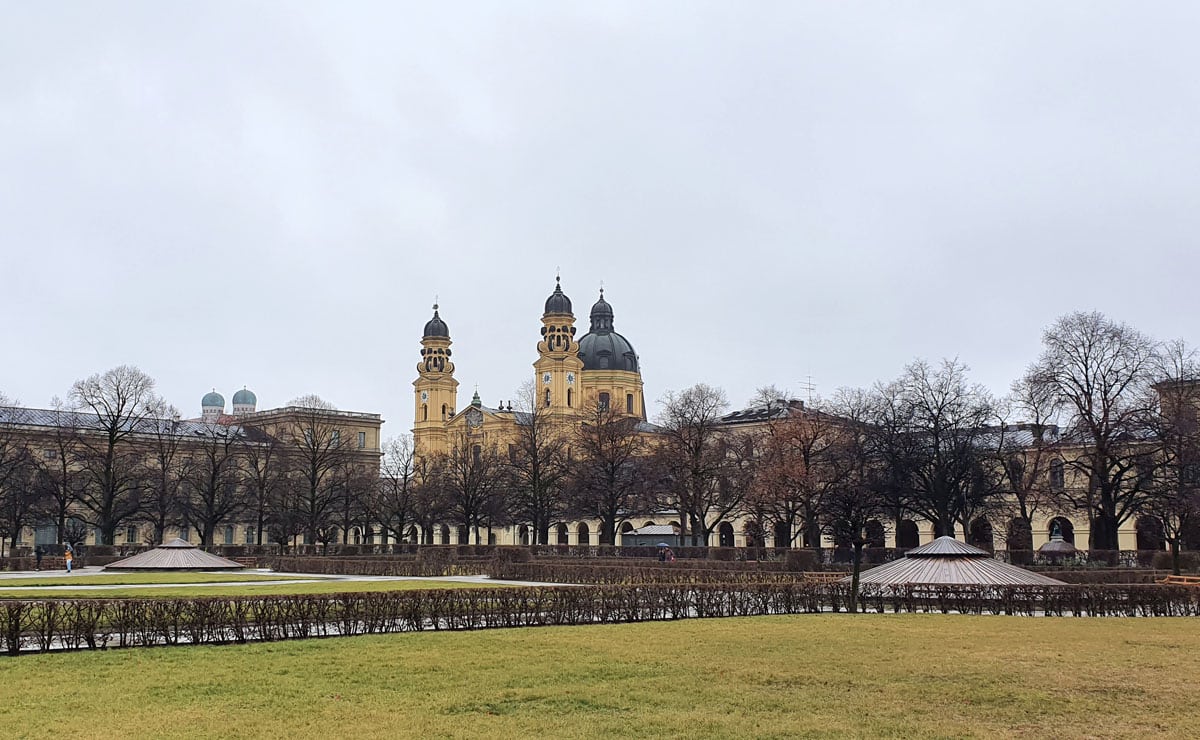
x=602, y=348
x=85, y=420
x=779, y=410
x=435, y=327
x=654, y=530
x=178, y=554
x=244, y=397
x=946, y=561
x=558, y=302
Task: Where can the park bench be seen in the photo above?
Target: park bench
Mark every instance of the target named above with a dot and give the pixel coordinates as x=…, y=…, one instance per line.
x=1180, y=581
x=823, y=576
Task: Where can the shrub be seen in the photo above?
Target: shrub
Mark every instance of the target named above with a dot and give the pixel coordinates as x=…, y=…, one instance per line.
x=722, y=553
x=801, y=560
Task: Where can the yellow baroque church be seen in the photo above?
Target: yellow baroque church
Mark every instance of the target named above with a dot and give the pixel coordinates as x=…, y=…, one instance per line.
x=571, y=375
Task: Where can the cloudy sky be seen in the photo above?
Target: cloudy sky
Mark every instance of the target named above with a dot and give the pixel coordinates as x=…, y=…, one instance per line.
x=272, y=194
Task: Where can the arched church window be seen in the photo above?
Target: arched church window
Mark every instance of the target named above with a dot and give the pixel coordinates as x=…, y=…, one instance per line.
x=547, y=398
x=424, y=412
x=569, y=397
x=443, y=412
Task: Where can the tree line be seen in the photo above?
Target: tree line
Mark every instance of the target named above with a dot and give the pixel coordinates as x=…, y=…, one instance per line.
x=115, y=454
x=1102, y=426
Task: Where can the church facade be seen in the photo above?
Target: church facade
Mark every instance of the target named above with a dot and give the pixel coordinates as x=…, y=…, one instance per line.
x=571, y=375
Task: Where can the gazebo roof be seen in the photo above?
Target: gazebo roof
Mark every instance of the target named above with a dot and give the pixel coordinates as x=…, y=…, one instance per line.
x=177, y=554
x=946, y=561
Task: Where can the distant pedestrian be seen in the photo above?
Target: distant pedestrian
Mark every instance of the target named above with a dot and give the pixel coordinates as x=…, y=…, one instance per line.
x=38, y=552
x=68, y=556
x=670, y=555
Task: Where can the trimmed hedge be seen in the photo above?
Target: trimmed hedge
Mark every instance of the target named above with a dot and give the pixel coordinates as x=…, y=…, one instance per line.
x=79, y=624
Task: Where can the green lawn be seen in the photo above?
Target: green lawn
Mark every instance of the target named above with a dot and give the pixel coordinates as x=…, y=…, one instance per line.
x=778, y=677
x=172, y=592
x=122, y=578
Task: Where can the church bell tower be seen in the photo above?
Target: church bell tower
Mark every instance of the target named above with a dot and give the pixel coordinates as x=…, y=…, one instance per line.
x=435, y=390
x=557, y=370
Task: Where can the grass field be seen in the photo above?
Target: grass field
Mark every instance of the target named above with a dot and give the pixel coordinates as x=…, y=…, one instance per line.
x=107, y=579
x=200, y=589
x=769, y=677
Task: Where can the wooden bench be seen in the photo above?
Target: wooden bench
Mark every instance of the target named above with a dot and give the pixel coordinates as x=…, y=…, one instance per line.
x=1179, y=581
x=823, y=576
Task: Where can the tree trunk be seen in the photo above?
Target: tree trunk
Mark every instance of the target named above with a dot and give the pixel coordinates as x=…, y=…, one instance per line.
x=858, y=548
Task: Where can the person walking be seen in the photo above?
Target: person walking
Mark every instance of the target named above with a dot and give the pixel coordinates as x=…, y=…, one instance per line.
x=38, y=552
x=68, y=556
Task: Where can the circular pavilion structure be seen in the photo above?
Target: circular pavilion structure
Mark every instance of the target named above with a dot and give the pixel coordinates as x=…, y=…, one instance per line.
x=177, y=554
x=948, y=562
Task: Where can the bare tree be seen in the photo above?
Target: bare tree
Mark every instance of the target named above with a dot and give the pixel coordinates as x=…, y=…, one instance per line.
x=20, y=499
x=609, y=470
x=936, y=434
x=213, y=493
x=319, y=456
x=166, y=472
x=1099, y=373
x=794, y=446
x=263, y=467
x=1174, y=496
x=59, y=477
x=537, y=464
x=695, y=459
x=470, y=475
x=1025, y=453
x=392, y=502
x=120, y=401
x=858, y=475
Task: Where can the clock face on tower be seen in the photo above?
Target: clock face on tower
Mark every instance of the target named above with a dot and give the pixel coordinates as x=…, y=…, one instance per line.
x=546, y=378
x=570, y=378
x=424, y=396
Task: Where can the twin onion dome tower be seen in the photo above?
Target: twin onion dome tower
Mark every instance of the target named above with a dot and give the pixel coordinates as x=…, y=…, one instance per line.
x=572, y=377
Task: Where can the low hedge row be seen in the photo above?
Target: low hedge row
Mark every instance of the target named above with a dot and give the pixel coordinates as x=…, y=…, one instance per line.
x=39, y=626
x=586, y=573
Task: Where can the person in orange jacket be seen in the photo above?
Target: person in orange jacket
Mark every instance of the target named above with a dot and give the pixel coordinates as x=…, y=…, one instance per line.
x=68, y=556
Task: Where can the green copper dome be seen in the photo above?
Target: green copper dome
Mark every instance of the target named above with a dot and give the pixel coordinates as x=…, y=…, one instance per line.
x=213, y=399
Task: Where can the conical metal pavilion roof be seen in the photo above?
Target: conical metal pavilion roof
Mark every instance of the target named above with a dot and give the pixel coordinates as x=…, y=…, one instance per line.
x=946, y=561
x=178, y=554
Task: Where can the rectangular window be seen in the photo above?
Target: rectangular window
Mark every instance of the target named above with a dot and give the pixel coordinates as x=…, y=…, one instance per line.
x=336, y=437
x=362, y=440
x=131, y=534
x=629, y=403
x=477, y=453
x=604, y=401
x=249, y=535
x=50, y=454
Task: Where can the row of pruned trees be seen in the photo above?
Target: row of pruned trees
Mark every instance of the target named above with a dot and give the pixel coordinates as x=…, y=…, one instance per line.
x=115, y=454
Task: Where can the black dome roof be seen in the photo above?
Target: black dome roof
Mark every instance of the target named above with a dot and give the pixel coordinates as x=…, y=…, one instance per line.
x=435, y=327
x=602, y=348
x=558, y=302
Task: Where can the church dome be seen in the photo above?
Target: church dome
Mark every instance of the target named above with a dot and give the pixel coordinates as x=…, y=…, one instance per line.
x=213, y=399
x=558, y=302
x=435, y=327
x=244, y=397
x=602, y=348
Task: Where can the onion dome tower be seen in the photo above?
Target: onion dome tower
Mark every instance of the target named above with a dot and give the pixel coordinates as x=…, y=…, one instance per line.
x=611, y=372
x=244, y=402
x=556, y=371
x=212, y=406
x=435, y=391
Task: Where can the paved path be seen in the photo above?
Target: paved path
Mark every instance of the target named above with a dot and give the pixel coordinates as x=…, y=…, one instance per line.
x=12, y=579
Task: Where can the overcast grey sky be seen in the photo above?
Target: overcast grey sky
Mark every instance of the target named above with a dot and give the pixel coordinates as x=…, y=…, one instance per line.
x=271, y=194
